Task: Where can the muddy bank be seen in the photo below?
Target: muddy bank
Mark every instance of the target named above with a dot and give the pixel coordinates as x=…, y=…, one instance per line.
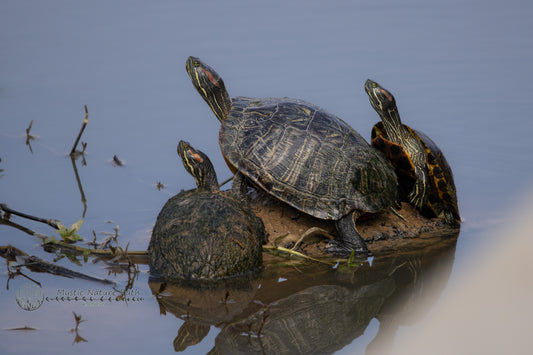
x=382, y=231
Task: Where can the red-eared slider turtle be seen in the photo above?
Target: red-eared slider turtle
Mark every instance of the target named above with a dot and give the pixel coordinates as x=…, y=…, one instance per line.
x=300, y=154
x=423, y=172
x=204, y=233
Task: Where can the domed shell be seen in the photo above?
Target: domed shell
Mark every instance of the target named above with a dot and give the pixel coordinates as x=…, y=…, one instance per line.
x=442, y=197
x=201, y=234
x=306, y=157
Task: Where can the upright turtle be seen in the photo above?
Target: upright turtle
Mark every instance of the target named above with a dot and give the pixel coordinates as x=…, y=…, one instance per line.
x=204, y=233
x=425, y=176
x=301, y=155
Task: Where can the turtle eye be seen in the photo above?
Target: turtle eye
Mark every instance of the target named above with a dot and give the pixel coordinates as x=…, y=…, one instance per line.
x=374, y=85
x=196, y=63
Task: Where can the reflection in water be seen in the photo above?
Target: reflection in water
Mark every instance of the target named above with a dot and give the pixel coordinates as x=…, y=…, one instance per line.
x=78, y=338
x=317, y=309
x=78, y=181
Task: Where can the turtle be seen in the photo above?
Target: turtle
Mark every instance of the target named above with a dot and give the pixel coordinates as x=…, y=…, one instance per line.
x=424, y=175
x=205, y=233
x=300, y=154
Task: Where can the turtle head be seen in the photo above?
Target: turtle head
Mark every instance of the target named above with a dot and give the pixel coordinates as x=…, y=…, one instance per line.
x=198, y=165
x=210, y=86
x=380, y=99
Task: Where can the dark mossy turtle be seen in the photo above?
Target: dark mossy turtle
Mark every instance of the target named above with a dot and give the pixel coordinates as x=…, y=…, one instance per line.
x=424, y=175
x=301, y=155
x=204, y=233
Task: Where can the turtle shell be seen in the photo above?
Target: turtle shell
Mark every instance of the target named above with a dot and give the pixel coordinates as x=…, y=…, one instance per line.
x=201, y=234
x=442, y=199
x=400, y=159
x=306, y=157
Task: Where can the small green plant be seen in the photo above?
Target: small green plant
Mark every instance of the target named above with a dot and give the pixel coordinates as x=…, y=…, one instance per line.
x=67, y=235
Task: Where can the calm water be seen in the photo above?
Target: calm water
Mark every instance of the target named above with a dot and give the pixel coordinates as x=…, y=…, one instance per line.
x=460, y=72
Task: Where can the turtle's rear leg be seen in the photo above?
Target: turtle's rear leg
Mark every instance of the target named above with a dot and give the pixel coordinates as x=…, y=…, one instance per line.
x=451, y=218
x=349, y=238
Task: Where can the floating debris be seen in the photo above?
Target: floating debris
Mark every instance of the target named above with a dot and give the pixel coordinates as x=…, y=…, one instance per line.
x=30, y=137
x=22, y=329
x=159, y=186
x=116, y=161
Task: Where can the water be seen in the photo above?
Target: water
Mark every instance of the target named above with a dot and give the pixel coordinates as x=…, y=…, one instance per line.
x=460, y=73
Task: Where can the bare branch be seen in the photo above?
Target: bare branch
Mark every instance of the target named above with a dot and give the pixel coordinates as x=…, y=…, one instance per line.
x=85, y=121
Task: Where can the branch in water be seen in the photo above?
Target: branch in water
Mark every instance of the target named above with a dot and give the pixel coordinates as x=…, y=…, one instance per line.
x=52, y=223
x=85, y=121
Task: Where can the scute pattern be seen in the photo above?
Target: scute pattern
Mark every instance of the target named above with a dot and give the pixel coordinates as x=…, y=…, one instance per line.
x=205, y=235
x=445, y=199
x=442, y=200
x=306, y=157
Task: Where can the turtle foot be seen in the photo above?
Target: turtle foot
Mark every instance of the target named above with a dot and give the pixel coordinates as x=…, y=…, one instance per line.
x=450, y=219
x=416, y=199
x=419, y=196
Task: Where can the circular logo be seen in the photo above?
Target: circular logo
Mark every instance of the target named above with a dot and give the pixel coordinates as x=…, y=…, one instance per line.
x=30, y=296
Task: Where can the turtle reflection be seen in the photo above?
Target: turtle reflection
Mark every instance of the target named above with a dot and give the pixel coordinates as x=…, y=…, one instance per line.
x=318, y=309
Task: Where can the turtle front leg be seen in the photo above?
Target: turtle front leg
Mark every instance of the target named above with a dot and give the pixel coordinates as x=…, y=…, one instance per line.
x=420, y=193
x=349, y=238
x=239, y=188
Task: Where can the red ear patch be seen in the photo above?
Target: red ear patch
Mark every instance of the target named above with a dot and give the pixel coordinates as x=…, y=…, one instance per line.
x=385, y=92
x=196, y=156
x=211, y=78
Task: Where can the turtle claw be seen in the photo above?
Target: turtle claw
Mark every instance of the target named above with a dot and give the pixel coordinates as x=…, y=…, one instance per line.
x=415, y=201
x=417, y=198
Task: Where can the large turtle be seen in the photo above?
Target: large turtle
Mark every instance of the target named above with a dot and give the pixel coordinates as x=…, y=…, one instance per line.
x=204, y=233
x=425, y=177
x=301, y=155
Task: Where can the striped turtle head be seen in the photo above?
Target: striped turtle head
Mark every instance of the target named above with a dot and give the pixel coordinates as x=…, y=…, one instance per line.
x=385, y=105
x=210, y=86
x=198, y=165
x=380, y=99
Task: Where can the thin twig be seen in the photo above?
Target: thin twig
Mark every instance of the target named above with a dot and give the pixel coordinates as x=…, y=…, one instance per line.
x=225, y=181
x=310, y=232
x=94, y=252
x=50, y=222
x=59, y=244
x=85, y=121
x=290, y=251
x=80, y=187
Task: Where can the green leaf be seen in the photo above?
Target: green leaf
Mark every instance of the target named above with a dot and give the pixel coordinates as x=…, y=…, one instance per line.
x=76, y=226
x=71, y=238
x=50, y=240
x=69, y=235
x=74, y=259
x=60, y=225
